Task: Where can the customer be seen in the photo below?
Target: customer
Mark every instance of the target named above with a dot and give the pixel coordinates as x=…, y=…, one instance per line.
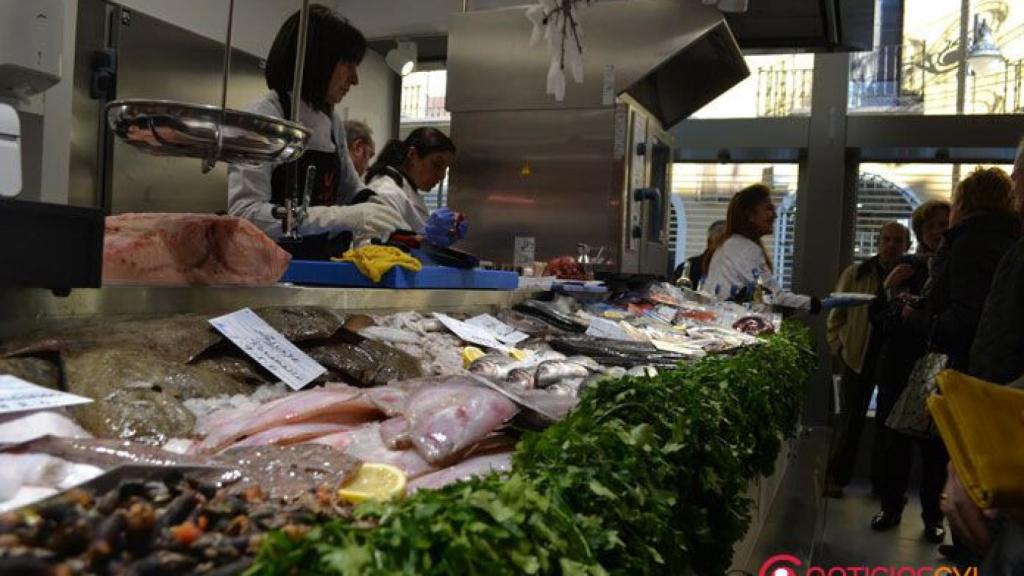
x=855, y=344
x=983, y=228
x=738, y=262
x=696, y=263
x=361, y=148
x=903, y=343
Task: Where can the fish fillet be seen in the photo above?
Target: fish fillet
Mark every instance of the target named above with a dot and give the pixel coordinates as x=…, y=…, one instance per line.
x=185, y=249
x=339, y=406
x=365, y=443
x=290, y=434
x=469, y=468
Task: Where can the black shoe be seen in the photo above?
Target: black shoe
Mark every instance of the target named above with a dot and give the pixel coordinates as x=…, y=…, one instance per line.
x=935, y=533
x=949, y=552
x=885, y=520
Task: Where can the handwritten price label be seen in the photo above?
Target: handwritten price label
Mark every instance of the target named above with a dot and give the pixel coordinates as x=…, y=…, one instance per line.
x=268, y=347
x=17, y=395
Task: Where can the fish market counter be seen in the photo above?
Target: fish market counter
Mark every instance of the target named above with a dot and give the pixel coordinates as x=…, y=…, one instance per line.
x=634, y=436
x=32, y=309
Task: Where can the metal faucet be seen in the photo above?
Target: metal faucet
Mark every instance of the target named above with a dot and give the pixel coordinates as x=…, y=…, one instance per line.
x=293, y=214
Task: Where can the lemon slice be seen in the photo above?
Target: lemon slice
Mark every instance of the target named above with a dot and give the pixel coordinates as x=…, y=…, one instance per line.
x=374, y=481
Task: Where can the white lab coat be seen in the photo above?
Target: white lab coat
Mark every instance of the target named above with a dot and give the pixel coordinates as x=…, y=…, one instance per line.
x=249, y=191
x=736, y=266
x=405, y=199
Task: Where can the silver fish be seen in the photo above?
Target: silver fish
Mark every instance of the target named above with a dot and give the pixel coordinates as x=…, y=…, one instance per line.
x=491, y=366
x=521, y=379
x=550, y=372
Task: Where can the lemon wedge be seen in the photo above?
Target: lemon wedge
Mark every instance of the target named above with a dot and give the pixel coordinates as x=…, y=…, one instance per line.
x=518, y=354
x=469, y=354
x=374, y=481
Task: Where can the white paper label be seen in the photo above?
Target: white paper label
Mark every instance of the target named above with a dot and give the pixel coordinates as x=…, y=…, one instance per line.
x=17, y=395
x=601, y=328
x=525, y=251
x=470, y=333
x=501, y=331
x=268, y=347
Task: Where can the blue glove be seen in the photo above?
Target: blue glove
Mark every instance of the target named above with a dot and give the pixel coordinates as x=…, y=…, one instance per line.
x=445, y=227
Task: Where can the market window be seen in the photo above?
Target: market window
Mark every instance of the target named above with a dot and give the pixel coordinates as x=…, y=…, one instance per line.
x=778, y=85
x=423, y=97
x=916, y=65
x=701, y=194
x=891, y=192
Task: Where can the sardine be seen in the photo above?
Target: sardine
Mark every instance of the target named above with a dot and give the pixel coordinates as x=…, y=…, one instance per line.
x=553, y=371
x=520, y=379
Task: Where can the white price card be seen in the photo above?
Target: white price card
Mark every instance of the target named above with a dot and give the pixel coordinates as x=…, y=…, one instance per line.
x=268, y=347
x=502, y=331
x=17, y=395
x=601, y=328
x=469, y=333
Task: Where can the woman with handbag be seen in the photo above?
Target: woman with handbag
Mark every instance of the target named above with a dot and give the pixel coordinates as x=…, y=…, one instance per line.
x=983, y=227
x=902, y=345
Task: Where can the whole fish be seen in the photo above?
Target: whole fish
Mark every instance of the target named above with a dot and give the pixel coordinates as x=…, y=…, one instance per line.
x=446, y=421
x=491, y=366
x=395, y=433
x=553, y=371
x=520, y=379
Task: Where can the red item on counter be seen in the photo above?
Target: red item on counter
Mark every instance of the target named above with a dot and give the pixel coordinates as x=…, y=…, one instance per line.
x=565, y=268
x=187, y=249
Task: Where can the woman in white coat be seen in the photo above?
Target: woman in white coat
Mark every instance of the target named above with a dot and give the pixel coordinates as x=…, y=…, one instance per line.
x=404, y=171
x=334, y=50
x=739, y=262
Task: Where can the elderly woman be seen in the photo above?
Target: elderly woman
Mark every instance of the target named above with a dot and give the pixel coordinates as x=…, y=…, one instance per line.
x=901, y=346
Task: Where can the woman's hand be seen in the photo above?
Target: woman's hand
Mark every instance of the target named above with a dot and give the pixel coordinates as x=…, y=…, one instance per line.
x=898, y=276
x=969, y=522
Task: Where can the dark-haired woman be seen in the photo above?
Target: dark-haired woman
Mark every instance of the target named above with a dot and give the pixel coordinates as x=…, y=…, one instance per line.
x=406, y=169
x=739, y=266
x=334, y=50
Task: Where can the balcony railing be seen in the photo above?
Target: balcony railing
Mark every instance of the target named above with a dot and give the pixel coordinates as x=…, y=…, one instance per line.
x=784, y=92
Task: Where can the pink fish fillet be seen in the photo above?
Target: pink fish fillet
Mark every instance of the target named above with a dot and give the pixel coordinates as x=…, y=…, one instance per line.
x=395, y=433
x=337, y=406
x=290, y=434
x=183, y=249
x=476, y=466
x=447, y=420
x=366, y=444
x=390, y=399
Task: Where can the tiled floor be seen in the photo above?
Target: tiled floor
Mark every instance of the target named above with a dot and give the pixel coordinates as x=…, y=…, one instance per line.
x=835, y=532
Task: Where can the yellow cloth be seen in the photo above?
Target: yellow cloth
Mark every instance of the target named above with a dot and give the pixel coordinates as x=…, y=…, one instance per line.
x=981, y=426
x=374, y=261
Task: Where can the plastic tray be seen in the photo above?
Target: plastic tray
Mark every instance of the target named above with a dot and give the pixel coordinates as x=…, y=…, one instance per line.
x=322, y=273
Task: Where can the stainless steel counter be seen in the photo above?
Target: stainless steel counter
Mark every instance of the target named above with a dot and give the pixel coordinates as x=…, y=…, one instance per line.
x=24, y=311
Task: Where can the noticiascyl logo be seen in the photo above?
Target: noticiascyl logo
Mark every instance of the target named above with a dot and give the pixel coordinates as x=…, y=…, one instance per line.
x=780, y=565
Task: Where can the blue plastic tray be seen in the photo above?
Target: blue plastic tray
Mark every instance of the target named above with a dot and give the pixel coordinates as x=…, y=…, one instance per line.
x=325, y=273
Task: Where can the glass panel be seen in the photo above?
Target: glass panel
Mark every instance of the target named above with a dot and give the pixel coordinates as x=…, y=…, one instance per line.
x=890, y=192
x=701, y=194
x=423, y=95
x=778, y=85
x=915, y=66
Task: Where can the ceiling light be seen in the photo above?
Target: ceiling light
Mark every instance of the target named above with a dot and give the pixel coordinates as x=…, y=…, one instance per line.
x=402, y=58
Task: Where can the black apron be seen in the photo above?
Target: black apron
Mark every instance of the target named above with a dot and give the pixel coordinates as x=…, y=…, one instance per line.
x=324, y=193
